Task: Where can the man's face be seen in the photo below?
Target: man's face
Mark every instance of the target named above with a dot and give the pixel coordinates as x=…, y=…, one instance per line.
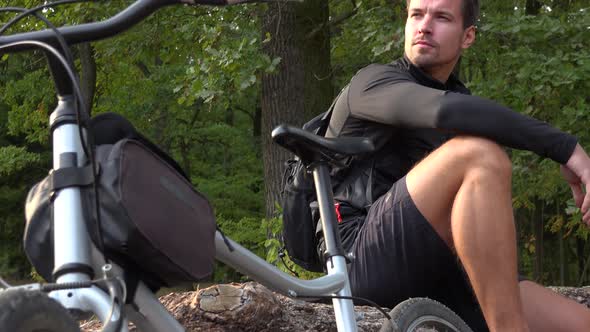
x=434, y=34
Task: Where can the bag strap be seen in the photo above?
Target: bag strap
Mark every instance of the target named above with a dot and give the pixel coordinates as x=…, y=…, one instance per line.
x=109, y=128
x=71, y=177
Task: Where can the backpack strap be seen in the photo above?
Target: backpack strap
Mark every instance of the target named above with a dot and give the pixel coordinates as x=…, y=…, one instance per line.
x=319, y=124
x=369, y=191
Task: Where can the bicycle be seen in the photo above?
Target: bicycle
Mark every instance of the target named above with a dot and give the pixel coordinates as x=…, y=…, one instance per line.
x=78, y=256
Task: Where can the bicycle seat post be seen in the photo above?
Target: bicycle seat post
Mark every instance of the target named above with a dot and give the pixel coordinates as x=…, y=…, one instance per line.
x=334, y=254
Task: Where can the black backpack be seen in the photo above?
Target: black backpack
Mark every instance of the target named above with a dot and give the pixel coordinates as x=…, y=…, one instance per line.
x=299, y=221
x=302, y=234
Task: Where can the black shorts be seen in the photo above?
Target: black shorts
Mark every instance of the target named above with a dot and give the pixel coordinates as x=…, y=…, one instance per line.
x=399, y=255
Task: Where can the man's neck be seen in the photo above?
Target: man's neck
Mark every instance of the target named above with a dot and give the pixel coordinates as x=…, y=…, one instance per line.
x=440, y=73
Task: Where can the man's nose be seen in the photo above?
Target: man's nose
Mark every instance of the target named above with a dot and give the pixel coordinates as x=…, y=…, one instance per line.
x=425, y=26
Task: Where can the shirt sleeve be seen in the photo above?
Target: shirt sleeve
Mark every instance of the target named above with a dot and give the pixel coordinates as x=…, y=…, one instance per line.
x=386, y=95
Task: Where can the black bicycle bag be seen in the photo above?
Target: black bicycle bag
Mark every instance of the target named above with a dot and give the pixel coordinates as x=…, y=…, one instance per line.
x=153, y=222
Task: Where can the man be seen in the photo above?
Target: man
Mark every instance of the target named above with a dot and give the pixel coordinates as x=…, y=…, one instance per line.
x=442, y=183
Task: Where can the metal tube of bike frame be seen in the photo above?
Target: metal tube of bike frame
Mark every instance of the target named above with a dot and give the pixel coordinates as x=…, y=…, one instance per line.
x=70, y=235
x=93, y=300
x=71, y=241
x=336, y=264
x=269, y=275
x=154, y=312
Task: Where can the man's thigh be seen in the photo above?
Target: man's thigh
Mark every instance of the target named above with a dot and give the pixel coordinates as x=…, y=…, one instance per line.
x=433, y=183
x=399, y=255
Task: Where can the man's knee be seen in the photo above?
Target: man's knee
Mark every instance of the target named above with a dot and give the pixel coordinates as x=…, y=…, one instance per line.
x=482, y=153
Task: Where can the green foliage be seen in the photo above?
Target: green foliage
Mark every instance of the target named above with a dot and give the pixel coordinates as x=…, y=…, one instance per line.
x=537, y=65
x=374, y=34
x=14, y=159
x=274, y=250
x=12, y=258
x=249, y=233
x=189, y=78
x=186, y=77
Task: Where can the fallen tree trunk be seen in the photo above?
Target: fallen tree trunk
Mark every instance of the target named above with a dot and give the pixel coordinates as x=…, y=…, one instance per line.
x=252, y=307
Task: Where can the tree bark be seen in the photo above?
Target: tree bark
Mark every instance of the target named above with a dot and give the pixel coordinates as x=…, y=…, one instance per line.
x=318, y=90
x=300, y=88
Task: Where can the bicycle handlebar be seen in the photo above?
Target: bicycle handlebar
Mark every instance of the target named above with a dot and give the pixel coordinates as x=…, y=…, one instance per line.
x=122, y=21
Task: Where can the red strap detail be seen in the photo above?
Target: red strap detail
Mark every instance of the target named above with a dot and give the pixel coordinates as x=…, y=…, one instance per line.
x=338, y=215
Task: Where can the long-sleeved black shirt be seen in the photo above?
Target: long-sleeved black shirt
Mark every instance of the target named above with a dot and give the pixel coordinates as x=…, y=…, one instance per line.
x=408, y=114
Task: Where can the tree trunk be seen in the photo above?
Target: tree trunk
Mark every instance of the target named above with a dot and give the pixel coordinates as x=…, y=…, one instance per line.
x=538, y=229
x=532, y=7
x=88, y=77
x=318, y=90
x=581, y=259
x=185, y=149
x=257, y=122
x=561, y=259
x=301, y=86
x=561, y=5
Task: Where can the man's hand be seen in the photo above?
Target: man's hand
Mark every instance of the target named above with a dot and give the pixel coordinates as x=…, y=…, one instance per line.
x=577, y=174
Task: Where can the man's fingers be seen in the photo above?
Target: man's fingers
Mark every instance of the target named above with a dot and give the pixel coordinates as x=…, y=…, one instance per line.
x=579, y=196
x=586, y=218
x=585, y=205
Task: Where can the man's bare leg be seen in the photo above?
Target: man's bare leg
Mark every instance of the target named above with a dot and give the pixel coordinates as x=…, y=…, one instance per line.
x=464, y=190
x=547, y=311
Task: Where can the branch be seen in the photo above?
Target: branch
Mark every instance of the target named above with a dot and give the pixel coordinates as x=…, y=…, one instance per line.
x=143, y=68
x=336, y=21
x=250, y=115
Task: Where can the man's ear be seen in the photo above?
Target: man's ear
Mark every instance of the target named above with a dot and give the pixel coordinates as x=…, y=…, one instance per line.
x=468, y=37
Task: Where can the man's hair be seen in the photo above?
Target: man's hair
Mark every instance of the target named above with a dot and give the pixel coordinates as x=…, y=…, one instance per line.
x=469, y=10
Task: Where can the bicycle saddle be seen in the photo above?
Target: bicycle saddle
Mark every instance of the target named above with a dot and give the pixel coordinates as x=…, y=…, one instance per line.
x=312, y=148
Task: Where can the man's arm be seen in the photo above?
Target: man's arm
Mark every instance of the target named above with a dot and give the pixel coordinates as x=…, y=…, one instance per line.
x=385, y=95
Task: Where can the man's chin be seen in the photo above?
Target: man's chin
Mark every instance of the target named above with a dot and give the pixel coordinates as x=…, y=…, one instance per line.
x=423, y=60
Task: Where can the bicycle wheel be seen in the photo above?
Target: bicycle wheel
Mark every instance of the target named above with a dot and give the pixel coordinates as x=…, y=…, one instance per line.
x=28, y=311
x=423, y=315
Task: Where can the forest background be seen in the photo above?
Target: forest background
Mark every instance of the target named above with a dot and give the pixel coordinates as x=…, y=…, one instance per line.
x=208, y=85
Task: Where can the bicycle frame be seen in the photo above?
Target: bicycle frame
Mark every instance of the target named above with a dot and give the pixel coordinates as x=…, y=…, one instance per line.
x=74, y=248
x=75, y=254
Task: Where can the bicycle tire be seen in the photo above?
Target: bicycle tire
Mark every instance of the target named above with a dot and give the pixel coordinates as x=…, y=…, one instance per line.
x=33, y=311
x=423, y=315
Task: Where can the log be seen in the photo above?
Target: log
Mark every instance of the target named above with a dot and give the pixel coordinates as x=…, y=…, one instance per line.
x=252, y=307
